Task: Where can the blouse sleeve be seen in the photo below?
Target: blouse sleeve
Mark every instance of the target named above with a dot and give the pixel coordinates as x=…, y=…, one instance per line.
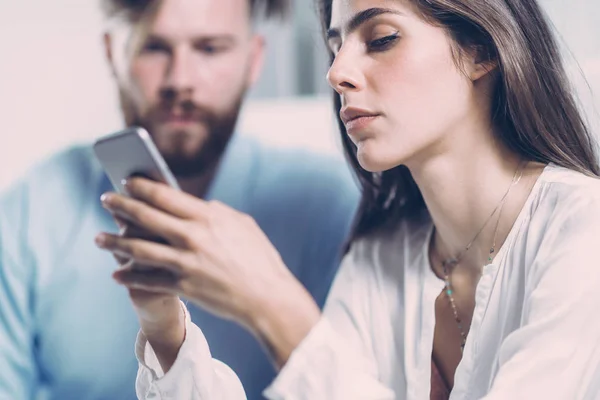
x=335, y=361
x=195, y=375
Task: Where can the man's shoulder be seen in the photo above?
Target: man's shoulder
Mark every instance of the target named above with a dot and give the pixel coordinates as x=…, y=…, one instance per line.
x=59, y=182
x=69, y=166
x=305, y=174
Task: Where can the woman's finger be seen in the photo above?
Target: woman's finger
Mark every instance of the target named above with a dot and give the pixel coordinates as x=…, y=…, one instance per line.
x=145, y=253
x=156, y=281
x=167, y=199
x=141, y=215
x=121, y=260
x=127, y=228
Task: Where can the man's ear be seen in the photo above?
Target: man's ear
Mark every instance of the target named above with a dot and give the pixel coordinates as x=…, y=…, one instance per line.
x=257, y=58
x=108, y=52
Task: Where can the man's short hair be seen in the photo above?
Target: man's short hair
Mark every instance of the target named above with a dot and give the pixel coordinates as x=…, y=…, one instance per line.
x=133, y=10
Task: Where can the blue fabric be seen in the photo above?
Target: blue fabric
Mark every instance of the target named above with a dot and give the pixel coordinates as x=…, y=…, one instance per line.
x=67, y=331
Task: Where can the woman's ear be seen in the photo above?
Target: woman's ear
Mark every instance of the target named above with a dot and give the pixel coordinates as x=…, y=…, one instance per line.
x=481, y=63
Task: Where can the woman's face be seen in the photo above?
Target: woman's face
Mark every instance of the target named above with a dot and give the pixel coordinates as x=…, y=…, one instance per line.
x=402, y=94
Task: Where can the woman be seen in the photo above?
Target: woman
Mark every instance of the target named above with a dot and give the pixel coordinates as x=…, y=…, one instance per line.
x=472, y=272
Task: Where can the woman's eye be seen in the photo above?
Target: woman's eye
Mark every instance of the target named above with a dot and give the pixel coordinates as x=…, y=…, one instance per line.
x=383, y=43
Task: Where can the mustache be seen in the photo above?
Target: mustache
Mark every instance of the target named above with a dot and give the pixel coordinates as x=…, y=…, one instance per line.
x=183, y=101
x=185, y=108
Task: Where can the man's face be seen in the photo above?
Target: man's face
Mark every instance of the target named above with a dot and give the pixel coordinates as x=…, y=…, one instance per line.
x=187, y=69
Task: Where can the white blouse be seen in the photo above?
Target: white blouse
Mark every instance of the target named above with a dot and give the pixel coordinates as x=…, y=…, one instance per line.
x=535, y=332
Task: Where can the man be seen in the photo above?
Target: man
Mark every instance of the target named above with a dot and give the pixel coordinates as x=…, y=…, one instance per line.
x=182, y=68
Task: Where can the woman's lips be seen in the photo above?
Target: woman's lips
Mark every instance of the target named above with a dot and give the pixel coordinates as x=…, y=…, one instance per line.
x=356, y=119
x=360, y=123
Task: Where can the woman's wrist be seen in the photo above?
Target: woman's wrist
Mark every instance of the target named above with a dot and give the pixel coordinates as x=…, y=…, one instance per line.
x=168, y=330
x=166, y=335
x=281, y=322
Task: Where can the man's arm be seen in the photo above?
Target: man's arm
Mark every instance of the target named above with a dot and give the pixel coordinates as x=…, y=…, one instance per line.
x=18, y=376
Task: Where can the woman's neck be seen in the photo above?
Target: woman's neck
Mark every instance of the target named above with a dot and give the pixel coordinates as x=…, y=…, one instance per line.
x=461, y=187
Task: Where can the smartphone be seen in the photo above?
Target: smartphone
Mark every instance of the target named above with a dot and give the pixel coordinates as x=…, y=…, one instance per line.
x=131, y=152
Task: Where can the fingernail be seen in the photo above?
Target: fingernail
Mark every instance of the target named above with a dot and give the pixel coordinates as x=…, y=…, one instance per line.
x=101, y=240
x=105, y=198
x=126, y=183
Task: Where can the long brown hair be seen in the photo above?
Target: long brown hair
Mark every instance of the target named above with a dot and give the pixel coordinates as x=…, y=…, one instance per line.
x=534, y=107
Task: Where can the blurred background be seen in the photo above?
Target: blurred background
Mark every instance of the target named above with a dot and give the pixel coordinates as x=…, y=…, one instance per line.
x=55, y=88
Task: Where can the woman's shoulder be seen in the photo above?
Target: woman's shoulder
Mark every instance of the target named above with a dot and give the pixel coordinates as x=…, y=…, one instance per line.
x=565, y=194
x=564, y=225
x=566, y=185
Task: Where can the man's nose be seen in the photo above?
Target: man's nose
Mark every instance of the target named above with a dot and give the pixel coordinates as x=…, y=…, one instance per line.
x=179, y=74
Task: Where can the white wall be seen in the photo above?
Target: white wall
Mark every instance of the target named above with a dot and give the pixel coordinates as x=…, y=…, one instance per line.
x=55, y=87
x=579, y=32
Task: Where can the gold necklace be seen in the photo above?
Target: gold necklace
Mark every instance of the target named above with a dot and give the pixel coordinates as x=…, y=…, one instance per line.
x=451, y=262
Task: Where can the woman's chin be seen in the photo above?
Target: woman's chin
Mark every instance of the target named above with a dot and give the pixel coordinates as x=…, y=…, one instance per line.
x=372, y=160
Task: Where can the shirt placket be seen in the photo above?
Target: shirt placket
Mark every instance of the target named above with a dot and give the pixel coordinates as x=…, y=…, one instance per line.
x=464, y=371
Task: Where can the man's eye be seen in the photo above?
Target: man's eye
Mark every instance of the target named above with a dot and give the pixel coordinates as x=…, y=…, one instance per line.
x=208, y=49
x=154, y=47
x=211, y=48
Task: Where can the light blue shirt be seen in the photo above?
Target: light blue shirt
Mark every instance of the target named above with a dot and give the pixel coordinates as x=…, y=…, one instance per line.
x=67, y=330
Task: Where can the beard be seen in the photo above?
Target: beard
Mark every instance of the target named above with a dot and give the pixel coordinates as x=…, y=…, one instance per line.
x=190, y=150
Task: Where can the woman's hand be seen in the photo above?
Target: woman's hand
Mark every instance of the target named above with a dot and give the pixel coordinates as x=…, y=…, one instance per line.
x=161, y=317
x=215, y=256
